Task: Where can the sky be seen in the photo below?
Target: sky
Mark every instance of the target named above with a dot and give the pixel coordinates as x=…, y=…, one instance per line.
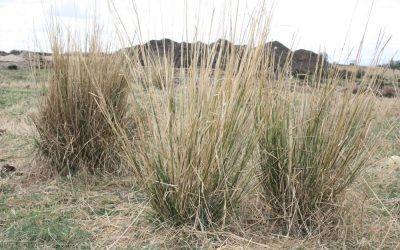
x=333, y=26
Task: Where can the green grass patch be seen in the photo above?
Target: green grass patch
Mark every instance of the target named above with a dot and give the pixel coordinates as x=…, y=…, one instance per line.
x=16, y=146
x=24, y=75
x=3, y=206
x=12, y=96
x=6, y=188
x=32, y=224
x=42, y=229
x=17, y=100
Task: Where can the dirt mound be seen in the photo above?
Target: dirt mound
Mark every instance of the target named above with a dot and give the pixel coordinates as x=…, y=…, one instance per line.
x=303, y=61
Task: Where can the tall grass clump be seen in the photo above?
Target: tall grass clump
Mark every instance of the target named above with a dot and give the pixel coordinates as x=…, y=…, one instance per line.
x=313, y=146
x=73, y=133
x=192, y=156
x=202, y=145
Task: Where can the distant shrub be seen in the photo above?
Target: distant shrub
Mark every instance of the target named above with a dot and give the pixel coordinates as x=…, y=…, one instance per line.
x=388, y=91
x=15, y=52
x=348, y=74
x=343, y=74
x=12, y=67
x=360, y=74
x=394, y=64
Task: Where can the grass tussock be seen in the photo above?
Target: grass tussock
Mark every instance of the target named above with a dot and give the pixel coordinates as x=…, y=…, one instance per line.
x=192, y=157
x=73, y=133
x=313, y=147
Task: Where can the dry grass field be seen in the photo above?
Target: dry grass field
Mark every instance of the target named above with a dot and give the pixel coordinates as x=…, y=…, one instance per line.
x=112, y=142
x=38, y=210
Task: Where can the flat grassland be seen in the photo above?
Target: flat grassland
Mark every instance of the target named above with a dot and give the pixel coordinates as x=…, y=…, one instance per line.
x=60, y=212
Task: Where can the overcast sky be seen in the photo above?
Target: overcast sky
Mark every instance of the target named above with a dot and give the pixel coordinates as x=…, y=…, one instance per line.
x=333, y=26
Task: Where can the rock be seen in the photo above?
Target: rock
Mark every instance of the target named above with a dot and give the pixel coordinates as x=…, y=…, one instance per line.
x=2, y=131
x=278, y=52
x=393, y=161
x=305, y=62
x=6, y=170
x=152, y=49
